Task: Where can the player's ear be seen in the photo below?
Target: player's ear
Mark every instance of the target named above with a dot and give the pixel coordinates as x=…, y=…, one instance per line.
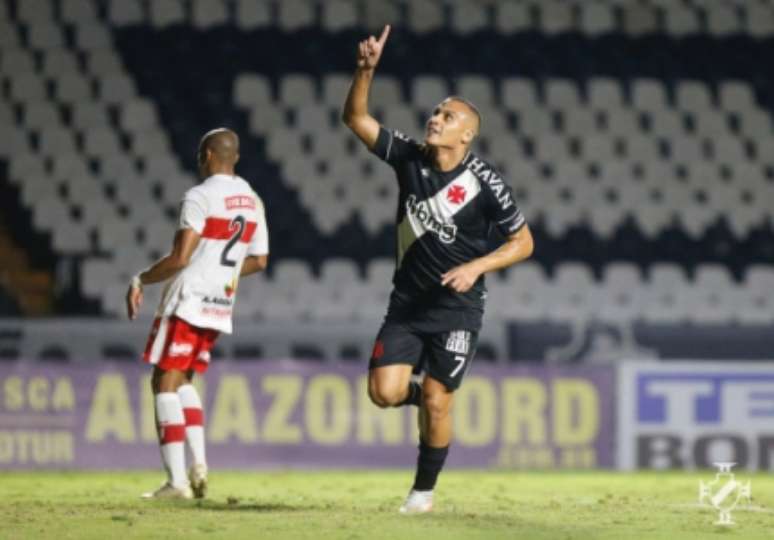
x=236, y=159
x=467, y=136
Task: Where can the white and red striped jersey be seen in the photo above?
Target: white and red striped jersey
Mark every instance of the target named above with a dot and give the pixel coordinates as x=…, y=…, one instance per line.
x=230, y=219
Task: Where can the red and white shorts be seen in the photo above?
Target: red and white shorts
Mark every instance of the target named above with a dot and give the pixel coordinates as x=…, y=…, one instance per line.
x=175, y=344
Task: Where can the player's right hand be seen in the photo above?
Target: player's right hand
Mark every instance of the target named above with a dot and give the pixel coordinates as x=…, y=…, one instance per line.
x=370, y=50
x=133, y=301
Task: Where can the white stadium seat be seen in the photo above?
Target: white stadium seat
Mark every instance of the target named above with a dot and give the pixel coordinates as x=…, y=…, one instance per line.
x=251, y=14
x=639, y=19
x=681, y=21
x=339, y=14
x=512, y=17
x=295, y=14
x=596, y=19
x=251, y=89
x=468, y=16
x=424, y=16
x=73, y=11
x=91, y=36
x=428, y=91
x=165, y=13
x=555, y=16
x=208, y=13
x=125, y=12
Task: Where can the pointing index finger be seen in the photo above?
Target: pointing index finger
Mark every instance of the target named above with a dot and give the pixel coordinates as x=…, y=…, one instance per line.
x=385, y=33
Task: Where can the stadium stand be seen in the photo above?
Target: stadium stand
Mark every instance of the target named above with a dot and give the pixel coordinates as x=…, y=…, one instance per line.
x=637, y=137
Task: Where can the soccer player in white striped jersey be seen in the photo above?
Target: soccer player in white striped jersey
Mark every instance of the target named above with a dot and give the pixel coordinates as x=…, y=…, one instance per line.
x=222, y=236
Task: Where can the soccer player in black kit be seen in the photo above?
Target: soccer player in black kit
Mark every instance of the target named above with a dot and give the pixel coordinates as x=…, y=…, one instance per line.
x=449, y=201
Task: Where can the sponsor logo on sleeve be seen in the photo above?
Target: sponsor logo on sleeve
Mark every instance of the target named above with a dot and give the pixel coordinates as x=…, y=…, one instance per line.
x=489, y=176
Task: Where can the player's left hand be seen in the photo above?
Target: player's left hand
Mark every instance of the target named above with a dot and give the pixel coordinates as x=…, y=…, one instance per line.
x=461, y=278
x=133, y=301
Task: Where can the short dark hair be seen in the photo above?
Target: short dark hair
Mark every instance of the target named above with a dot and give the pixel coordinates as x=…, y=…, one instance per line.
x=470, y=105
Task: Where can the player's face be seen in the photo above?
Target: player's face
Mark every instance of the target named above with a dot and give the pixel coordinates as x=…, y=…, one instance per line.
x=450, y=125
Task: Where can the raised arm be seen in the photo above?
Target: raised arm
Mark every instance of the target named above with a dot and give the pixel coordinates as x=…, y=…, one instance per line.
x=356, y=115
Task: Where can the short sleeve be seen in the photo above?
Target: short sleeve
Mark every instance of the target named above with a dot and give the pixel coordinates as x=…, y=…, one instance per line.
x=193, y=211
x=259, y=243
x=394, y=147
x=502, y=209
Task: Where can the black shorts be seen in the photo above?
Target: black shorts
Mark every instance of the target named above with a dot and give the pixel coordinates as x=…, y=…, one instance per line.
x=445, y=356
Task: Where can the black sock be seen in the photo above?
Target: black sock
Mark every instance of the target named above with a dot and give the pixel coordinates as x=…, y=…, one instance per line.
x=429, y=465
x=414, y=395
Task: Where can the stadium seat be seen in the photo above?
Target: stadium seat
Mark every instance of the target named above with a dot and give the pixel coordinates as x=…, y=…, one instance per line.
x=58, y=62
x=381, y=12
x=756, y=296
x=639, y=19
x=555, y=16
x=116, y=88
x=38, y=115
x=596, y=19
x=759, y=20
x=35, y=12
x=73, y=87
x=671, y=147
x=468, y=17
x=339, y=15
x=521, y=295
x=512, y=17
x=428, y=91
x=681, y=21
x=165, y=13
x=125, y=12
x=424, y=16
x=722, y=21
x=621, y=293
x=295, y=14
x=74, y=11
x=665, y=301
x=250, y=14
x=102, y=63
x=208, y=13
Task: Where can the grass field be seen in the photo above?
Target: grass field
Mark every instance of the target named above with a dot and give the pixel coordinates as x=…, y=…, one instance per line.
x=363, y=505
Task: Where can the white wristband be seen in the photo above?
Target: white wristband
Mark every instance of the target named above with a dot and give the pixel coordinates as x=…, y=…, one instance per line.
x=136, y=282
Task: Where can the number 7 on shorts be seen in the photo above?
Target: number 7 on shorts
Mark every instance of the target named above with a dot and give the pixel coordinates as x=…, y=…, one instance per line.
x=461, y=359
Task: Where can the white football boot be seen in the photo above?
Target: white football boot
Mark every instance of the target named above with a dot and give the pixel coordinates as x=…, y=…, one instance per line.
x=197, y=474
x=417, y=502
x=168, y=491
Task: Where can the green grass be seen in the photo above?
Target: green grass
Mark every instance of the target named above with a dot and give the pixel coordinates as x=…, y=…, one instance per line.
x=362, y=505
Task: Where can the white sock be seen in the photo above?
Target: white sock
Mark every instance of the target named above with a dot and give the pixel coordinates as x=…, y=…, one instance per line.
x=194, y=422
x=169, y=413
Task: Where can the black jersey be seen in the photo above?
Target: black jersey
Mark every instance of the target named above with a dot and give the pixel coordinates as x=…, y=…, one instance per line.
x=444, y=219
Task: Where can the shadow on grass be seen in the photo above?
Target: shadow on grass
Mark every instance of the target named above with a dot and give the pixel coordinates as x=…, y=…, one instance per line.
x=253, y=506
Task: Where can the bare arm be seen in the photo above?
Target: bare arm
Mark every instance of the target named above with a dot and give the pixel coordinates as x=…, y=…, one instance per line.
x=518, y=247
x=253, y=264
x=183, y=247
x=356, y=115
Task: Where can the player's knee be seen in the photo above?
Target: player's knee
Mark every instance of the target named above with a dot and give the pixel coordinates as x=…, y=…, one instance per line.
x=437, y=406
x=383, y=396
